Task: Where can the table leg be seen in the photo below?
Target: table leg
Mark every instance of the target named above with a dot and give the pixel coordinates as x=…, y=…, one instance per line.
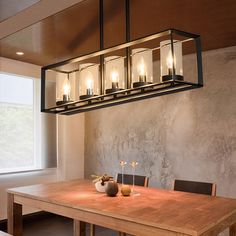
x=14, y=216
x=92, y=230
x=122, y=234
x=232, y=230
x=79, y=228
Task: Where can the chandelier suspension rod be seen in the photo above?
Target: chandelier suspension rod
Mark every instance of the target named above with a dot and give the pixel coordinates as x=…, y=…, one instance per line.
x=101, y=31
x=127, y=27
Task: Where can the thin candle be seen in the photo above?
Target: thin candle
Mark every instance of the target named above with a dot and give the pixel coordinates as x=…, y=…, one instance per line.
x=122, y=164
x=66, y=91
x=89, y=85
x=115, y=79
x=170, y=64
x=142, y=71
x=133, y=164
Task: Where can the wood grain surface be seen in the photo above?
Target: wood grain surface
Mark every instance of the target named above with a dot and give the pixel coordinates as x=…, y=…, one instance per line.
x=75, y=30
x=153, y=211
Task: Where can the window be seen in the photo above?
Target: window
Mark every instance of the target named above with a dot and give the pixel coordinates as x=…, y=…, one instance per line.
x=21, y=124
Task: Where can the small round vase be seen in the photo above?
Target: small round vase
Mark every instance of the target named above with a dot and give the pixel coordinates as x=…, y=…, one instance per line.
x=99, y=187
x=111, y=188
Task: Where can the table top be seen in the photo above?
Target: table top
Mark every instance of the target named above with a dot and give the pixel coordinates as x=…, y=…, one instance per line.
x=183, y=212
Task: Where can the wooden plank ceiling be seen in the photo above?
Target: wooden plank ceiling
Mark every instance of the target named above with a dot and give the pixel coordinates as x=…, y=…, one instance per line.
x=12, y=7
x=75, y=31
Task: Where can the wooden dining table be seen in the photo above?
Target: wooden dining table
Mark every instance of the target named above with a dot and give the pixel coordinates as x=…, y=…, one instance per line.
x=150, y=212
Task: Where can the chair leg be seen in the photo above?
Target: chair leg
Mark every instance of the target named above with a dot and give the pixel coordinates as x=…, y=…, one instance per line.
x=92, y=230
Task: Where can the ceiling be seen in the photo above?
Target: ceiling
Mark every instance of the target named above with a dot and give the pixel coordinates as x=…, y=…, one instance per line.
x=10, y=8
x=75, y=31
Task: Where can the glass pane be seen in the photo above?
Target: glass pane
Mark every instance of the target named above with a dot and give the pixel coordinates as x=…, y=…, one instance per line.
x=16, y=123
x=142, y=67
x=114, y=74
x=171, y=62
x=88, y=80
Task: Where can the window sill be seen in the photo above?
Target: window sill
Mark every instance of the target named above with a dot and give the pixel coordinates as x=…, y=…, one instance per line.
x=28, y=171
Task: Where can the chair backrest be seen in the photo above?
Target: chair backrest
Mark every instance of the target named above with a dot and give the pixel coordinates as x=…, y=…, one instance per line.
x=195, y=187
x=128, y=179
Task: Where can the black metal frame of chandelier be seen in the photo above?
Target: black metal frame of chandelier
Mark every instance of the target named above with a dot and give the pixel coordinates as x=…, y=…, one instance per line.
x=116, y=98
x=127, y=92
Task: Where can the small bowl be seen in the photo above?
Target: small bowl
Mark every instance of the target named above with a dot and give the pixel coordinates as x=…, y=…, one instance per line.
x=99, y=187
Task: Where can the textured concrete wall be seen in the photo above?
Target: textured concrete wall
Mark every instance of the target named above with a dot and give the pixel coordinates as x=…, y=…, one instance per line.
x=189, y=135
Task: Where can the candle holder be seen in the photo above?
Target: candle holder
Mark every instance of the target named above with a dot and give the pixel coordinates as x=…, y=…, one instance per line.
x=133, y=165
x=88, y=84
x=89, y=90
x=122, y=164
x=65, y=90
x=171, y=60
x=89, y=94
x=142, y=67
x=114, y=74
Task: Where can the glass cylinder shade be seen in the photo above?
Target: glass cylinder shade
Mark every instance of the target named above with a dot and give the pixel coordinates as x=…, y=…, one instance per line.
x=64, y=85
x=171, y=62
x=114, y=74
x=88, y=80
x=142, y=67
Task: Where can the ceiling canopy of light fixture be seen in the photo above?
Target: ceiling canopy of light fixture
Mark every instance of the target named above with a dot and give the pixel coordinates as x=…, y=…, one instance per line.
x=142, y=68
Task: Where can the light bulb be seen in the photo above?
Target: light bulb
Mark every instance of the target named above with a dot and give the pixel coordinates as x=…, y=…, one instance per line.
x=20, y=53
x=141, y=68
x=89, y=83
x=142, y=71
x=66, y=89
x=114, y=79
x=169, y=61
x=114, y=76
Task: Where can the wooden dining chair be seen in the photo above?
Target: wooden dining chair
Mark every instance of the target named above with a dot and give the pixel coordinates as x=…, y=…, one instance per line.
x=195, y=187
x=139, y=180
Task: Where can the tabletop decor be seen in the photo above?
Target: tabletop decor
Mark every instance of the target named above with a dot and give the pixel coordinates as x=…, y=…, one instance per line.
x=122, y=164
x=133, y=165
x=101, y=182
x=111, y=188
x=125, y=190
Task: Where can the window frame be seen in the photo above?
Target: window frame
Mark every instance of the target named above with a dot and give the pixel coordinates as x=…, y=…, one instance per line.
x=37, y=159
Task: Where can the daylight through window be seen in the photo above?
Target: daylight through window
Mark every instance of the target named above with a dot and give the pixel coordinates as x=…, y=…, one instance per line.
x=18, y=130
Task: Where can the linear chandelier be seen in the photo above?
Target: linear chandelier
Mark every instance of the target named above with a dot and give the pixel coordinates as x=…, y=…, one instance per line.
x=147, y=67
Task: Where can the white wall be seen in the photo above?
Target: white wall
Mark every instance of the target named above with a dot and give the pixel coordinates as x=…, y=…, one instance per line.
x=70, y=146
x=70, y=138
x=19, y=68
